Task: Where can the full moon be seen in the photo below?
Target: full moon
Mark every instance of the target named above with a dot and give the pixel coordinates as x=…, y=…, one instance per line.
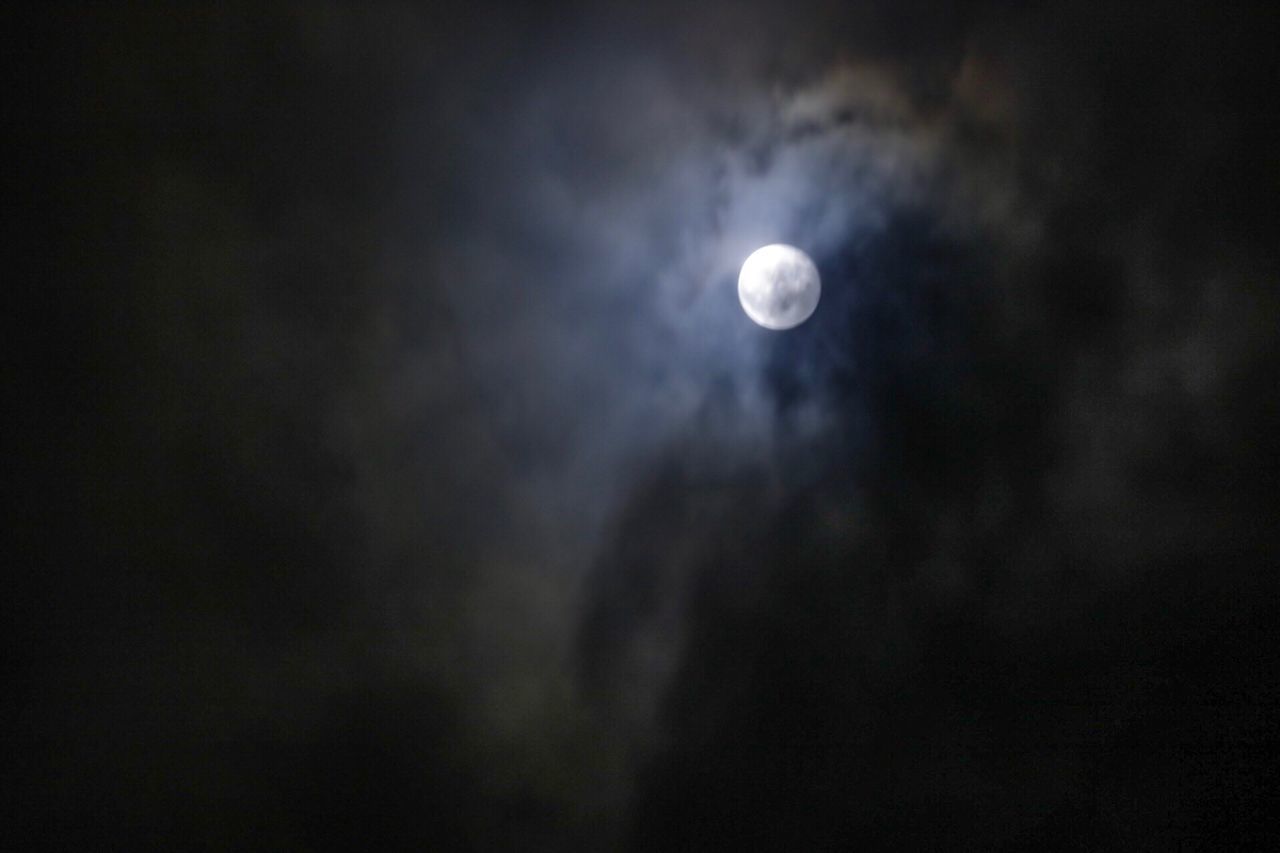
x=779, y=286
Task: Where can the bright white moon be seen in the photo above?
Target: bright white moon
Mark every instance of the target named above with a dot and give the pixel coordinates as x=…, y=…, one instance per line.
x=779, y=286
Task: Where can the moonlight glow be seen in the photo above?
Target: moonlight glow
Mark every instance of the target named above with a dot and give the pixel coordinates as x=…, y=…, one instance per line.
x=779, y=286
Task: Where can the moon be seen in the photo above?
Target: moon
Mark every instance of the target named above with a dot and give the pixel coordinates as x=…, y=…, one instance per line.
x=779, y=286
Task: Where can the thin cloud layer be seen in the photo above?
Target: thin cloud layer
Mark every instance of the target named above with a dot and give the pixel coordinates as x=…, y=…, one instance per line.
x=413, y=475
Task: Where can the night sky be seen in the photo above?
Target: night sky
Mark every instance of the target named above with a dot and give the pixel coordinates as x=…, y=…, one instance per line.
x=393, y=467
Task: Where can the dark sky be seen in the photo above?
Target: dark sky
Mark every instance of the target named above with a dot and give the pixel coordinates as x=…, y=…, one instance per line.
x=394, y=468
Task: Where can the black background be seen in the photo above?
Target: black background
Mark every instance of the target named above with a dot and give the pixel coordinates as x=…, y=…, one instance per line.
x=351, y=503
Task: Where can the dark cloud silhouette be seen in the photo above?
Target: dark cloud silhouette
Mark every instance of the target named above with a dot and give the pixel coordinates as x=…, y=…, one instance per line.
x=396, y=466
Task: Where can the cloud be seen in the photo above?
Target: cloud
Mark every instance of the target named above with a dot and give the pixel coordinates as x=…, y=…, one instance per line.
x=429, y=451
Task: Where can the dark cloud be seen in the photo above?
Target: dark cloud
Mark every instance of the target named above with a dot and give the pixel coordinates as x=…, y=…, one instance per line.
x=397, y=466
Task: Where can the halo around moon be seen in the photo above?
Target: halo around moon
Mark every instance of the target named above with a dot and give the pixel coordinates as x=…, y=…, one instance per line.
x=779, y=286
